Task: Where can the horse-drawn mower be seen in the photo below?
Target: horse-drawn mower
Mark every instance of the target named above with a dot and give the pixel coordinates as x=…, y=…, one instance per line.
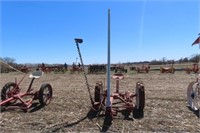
x=112, y=103
x=12, y=98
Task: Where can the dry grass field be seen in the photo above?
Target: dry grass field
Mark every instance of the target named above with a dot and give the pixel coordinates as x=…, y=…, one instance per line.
x=165, y=105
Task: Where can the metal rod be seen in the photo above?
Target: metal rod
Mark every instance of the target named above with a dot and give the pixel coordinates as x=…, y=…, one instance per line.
x=86, y=81
x=108, y=103
x=30, y=85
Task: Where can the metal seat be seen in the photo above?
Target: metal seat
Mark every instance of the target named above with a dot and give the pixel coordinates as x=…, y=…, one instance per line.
x=36, y=74
x=118, y=76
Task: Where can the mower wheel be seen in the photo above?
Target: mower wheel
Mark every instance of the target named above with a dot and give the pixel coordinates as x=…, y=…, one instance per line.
x=193, y=96
x=8, y=91
x=45, y=94
x=140, y=101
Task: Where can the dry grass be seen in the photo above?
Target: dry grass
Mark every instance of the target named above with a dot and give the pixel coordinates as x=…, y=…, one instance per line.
x=165, y=110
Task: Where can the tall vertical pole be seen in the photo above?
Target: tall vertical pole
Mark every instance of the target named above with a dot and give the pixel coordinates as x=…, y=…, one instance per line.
x=198, y=64
x=108, y=103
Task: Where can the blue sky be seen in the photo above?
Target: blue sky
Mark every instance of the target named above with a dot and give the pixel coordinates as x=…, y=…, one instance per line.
x=141, y=30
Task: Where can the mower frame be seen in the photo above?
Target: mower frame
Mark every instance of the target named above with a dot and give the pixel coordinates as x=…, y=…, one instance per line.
x=12, y=98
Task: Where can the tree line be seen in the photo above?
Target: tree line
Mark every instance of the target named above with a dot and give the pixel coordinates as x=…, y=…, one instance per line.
x=193, y=58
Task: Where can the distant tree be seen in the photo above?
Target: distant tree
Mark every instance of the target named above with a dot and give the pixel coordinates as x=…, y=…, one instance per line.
x=180, y=60
x=155, y=62
x=164, y=60
x=185, y=59
x=194, y=58
x=9, y=60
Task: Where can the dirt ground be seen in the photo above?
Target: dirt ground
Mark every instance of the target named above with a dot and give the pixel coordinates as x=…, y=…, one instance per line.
x=165, y=105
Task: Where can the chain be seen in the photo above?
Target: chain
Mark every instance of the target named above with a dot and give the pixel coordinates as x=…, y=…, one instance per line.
x=86, y=80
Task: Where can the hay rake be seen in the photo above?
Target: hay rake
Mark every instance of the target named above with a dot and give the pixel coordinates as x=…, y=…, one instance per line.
x=115, y=102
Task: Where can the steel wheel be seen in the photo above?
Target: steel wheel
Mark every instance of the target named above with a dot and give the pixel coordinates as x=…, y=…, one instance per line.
x=140, y=101
x=193, y=95
x=8, y=91
x=45, y=94
x=140, y=98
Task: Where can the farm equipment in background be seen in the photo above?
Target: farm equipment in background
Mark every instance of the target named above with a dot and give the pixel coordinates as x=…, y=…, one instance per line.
x=193, y=95
x=75, y=68
x=170, y=69
x=132, y=68
x=167, y=70
x=53, y=68
x=142, y=69
x=115, y=102
x=194, y=69
x=12, y=98
x=96, y=69
x=24, y=69
x=118, y=69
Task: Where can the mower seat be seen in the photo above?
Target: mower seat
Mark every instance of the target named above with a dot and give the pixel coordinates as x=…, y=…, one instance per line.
x=118, y=76
x=36, y=74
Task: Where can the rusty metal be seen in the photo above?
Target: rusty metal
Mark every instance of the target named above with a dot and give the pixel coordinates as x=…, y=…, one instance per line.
x=170, y=69
x=193, y=69
x=132, y=102
x=167, y=70
x=143, y=69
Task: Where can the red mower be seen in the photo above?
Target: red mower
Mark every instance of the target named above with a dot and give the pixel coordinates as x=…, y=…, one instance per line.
x=111, y=103
x=12, y=98
x=120, y=101
x=116, y=102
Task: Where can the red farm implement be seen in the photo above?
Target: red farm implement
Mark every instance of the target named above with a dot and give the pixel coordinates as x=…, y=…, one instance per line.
x=12, y=98
x=96, y=69
x=118, y=69
x=75, y=68
x=112, y=103
x=193, y=69
x=143, y=69
x=24, y=69
x=130, y=101
x=170, y=69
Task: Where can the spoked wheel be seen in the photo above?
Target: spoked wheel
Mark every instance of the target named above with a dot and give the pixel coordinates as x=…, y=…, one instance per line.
x=140, y=101
x=193, y=95
x=8, y=91
x=45, y=94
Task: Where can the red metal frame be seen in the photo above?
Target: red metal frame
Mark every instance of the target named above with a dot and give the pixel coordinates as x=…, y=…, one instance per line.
x=125, y=100
x=143, y=68
x=194, y=69
x=18, y=98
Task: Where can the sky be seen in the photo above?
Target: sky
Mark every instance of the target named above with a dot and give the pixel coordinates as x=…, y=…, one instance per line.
x=36, y=31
